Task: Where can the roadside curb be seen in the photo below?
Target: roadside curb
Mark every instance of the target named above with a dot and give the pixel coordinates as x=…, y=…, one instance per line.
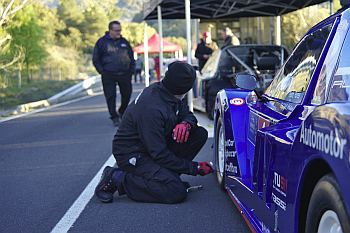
x=90, y=86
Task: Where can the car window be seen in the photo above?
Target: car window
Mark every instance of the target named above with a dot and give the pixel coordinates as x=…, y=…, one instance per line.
x=293, y=79
x=340, y=85
x=324, y=80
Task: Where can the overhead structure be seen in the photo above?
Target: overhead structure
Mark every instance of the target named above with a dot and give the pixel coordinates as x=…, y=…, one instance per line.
x=153, y=46
x=218, y=9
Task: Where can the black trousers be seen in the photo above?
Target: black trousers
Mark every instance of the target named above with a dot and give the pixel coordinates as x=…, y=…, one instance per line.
x=109, y=82
x=150, y=182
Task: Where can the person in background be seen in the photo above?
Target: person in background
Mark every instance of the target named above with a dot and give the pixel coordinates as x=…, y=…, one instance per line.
x=229, y=37
x=138, y=69
x=205, y=49
x=156, y=67
x=156, y=142
x=113, y=59
x=151, y=64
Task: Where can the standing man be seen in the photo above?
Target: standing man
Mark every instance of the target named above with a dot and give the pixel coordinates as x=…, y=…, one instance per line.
x=138, y=69
x=151, y=65
x=156, y=142
x=113, y=59
x=205, y=49
x=229, y=37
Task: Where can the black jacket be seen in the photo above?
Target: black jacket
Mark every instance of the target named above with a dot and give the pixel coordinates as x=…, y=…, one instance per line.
x=113, y=56
x=147, y=122
x=203, y=49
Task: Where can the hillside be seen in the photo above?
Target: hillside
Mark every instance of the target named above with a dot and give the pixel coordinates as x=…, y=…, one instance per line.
x=128, y=7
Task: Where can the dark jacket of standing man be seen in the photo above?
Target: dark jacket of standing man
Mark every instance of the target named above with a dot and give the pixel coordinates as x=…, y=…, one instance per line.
x=205, y=49
x=156, y=142
x=113, y=59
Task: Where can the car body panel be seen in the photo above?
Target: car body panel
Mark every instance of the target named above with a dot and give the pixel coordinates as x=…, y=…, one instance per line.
x=277, y=146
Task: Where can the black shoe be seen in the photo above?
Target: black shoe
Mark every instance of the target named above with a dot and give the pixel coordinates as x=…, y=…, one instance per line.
x=108, y=184
x=116, y=121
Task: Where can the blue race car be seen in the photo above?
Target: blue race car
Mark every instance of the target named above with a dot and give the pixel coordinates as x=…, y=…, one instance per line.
x=283, y=156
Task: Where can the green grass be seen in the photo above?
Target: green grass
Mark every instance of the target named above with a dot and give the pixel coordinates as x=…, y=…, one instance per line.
x=13, y=96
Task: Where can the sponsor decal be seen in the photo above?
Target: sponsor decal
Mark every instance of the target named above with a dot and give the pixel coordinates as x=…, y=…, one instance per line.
x=225, y=104
x=237, y=101
x=280, y=184
x=255, y=123
x=231, y=168
x=230, y=154
x=229, y=142
x=343, y=25
x=279, y=202
x=263, y=123
x=340, y=84
x=330, y=143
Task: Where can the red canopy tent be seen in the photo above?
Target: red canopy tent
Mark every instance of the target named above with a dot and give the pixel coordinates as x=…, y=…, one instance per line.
x=153, y=46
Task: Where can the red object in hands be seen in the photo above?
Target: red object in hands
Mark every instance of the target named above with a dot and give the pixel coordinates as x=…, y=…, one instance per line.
x=181, y=132
x=204, y=169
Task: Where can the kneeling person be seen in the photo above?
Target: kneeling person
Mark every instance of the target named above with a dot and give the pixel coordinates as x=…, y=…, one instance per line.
x=156, y=142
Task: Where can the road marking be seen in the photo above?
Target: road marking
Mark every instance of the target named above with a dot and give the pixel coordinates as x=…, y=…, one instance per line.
x=45, y=108
x=79, y=205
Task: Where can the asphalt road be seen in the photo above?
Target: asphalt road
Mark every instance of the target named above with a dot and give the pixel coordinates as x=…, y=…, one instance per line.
x=50, y=162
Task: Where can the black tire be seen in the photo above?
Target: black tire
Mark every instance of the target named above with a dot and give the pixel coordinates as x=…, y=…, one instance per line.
x=220, y=153
x=212, y=88
x=327, y=203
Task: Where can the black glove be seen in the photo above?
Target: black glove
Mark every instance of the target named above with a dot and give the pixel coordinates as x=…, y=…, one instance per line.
x=204, y=169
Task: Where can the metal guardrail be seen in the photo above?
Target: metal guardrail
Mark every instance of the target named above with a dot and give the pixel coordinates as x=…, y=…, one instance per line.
x=87, y=87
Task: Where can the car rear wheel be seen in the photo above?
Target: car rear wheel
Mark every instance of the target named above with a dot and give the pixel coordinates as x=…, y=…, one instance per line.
x=210, y=108
x=327, y=211
x=220, y=153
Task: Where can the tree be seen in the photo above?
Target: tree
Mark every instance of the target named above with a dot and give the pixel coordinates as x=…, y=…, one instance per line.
x=50, y=22
x=95, y=24
x=114, y=13
x=178, y=40
x=72, y=39
x=69, y=12
x=7, y=10
x=26, y=33
x=133, y=32
x=294, y=25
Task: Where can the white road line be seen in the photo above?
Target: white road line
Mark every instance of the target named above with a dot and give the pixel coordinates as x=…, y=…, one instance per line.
x=45, y=108
x=78, y=206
